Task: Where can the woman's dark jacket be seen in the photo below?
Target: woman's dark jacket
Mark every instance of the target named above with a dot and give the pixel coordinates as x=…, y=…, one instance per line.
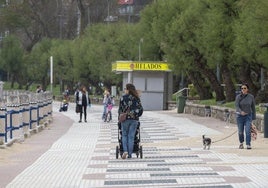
x=132, y=105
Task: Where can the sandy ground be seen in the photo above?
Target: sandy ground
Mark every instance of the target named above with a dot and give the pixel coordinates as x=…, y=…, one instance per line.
x=15, y=158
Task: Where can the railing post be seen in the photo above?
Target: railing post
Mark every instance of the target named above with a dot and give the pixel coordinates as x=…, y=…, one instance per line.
x=40, y=106
x=50, y=100
x=13, y=107
x=265, y=126
x=3, y=133
x=33, y=112
x=25, y=110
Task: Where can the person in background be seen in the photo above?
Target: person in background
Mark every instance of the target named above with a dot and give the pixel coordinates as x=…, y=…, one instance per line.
x=104, y=104
x=245, y=113
x=83, y=100
x=39, y=89
x=109, y=103
x=67, y=94
x=130, y=102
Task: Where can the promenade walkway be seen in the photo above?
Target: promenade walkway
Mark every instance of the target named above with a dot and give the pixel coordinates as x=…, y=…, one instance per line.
x=68, y=154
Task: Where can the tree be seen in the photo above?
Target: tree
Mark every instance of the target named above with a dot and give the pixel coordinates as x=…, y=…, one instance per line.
x=12, y=58
x=63, y=63
x=38, y=62
x=250, y=45
x=178, y=34
x=94, y=53
x=217, y=38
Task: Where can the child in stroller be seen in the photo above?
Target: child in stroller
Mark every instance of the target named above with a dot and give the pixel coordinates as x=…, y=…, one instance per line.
x=137, y=147
x=64, y=105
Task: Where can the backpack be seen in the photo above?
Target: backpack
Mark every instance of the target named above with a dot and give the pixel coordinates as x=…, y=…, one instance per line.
x=109, y=100
x=77, y=96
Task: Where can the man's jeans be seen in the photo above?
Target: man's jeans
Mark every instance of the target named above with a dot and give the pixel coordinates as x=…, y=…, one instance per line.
x=129, y=128
x=244, y=123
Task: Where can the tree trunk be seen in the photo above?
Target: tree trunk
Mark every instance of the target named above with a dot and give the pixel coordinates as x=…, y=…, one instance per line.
x=12, y=82
x=210, y=75
x=227, y=80
x=245, y=77
x=200, y=85
x=83, y=20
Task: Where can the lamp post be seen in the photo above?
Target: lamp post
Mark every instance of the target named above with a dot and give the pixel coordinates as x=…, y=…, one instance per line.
x=51, y=73
x=141, y=41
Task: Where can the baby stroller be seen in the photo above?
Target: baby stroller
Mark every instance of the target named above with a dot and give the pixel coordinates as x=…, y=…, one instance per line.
x=64, y=106
x=108, y=115
x=137, y=147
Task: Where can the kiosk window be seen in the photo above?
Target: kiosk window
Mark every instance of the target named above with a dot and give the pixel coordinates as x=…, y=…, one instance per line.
x=139, y=83
x=155, y=84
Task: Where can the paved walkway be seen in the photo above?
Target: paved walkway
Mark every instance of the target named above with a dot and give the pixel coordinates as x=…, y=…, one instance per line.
x=82, y=155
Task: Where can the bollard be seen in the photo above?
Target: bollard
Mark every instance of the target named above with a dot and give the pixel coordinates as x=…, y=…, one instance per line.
x=207, y=111
x=226, y=115
x=265, y=126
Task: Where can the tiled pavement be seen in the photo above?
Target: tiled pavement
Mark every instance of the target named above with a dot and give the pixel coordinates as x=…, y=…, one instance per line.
x=172, y=157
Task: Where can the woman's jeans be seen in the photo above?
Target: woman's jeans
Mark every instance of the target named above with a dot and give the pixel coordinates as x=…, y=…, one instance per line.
x=129, y=128
x=244, y=123
x=104, y=111
x=83, y=109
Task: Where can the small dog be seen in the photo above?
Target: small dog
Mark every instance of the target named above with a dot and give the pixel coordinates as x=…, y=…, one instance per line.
x=206, y=142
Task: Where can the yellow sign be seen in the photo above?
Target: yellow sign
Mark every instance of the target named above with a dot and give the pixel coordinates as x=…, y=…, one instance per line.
x=122, y=66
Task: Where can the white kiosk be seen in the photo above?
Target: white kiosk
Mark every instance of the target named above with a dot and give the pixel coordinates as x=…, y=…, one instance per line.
x=152, y=78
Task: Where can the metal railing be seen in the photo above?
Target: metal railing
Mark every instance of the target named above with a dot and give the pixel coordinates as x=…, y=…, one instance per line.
x=23, y=112
x=180, y=92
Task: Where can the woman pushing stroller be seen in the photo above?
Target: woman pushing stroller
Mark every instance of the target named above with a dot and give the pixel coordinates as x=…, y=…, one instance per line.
x=130, y=103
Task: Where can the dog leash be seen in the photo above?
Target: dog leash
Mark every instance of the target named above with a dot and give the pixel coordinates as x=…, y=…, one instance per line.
x=225, y=137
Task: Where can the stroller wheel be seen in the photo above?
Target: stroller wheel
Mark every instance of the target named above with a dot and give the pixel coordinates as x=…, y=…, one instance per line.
x=116, y=152
x=141, y=153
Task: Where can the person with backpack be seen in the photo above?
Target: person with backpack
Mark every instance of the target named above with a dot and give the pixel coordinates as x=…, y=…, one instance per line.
x=109, y=103
x=130, y=103
x=104, y=103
